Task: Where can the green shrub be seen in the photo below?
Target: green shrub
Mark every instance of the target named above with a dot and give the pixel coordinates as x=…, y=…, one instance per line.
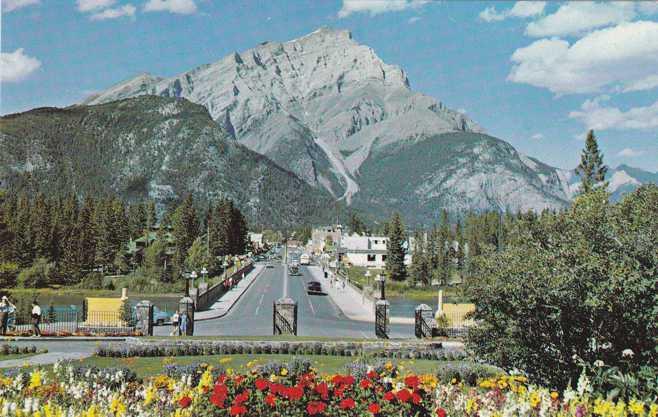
x=8, y=274
x=93, y=281
x=575, y=284
x=37, y=276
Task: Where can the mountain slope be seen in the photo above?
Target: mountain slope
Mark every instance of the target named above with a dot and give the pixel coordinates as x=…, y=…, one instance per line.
x=149, y=146
x=331, y=111
x=621, y=180
x=455, y=171
x=279, y=97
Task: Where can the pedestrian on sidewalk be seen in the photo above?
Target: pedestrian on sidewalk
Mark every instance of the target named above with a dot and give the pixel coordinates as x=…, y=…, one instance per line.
x=183, y=325
x=36, y=318
x=175, y=331
x=4, y=315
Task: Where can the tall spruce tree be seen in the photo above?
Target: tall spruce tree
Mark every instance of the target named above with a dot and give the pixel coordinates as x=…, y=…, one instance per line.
x=185, y=230
x=591, y=168
x=85, y=231
x=419, y=270
x=24, y=242
x=42, y=228
x=395, y=251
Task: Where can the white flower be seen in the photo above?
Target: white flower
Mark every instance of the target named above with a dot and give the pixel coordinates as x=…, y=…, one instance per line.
x=598, y=363
x=583, y=385
x=627, y=353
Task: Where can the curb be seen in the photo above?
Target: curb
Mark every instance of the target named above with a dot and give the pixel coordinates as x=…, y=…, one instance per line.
x=62, y=338
x=234, y=303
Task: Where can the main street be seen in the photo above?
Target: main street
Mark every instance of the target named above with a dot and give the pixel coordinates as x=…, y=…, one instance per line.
x=317, y=315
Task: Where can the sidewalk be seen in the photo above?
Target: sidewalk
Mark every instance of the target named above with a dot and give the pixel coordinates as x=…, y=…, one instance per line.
x=61, y=349
x=351, y=302
x=228, y=300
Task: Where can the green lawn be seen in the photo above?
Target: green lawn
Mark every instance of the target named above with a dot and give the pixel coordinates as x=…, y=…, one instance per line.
x=16, y=356
x=402, y=289
x=324, y=364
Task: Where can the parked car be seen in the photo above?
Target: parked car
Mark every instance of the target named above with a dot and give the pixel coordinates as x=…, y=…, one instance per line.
x=269, y=265
x=314, y=288
x=161, y=317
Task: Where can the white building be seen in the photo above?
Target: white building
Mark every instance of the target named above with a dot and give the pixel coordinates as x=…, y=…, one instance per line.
x=256, y=240
x=369, y=251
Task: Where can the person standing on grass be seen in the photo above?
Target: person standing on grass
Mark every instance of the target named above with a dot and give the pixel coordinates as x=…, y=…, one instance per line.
x=36, y=319
x=174, y=323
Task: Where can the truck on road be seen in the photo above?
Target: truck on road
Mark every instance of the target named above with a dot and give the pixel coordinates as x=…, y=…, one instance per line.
x=305, y=259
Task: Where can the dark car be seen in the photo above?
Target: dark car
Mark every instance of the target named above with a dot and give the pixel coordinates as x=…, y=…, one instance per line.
x=314, y=287
x=269, y=265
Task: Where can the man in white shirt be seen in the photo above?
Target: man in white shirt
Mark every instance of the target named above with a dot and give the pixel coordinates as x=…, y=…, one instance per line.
x=36, y=319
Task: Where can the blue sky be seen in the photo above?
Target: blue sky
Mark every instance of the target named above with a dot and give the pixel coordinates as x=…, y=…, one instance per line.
x=537, y=75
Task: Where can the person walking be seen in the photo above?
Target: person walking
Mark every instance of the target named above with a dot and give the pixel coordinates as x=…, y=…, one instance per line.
x=183, y=325
x=4, y=315
x=36, y=319
x=175, y=331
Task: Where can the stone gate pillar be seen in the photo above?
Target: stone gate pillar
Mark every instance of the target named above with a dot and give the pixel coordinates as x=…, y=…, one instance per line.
x=284, y=316
x=382, y=308
x=422, y=322
x=144, y=317
x=186, y=306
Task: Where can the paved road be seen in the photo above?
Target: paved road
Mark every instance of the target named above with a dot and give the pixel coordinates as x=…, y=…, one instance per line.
x=317, y=315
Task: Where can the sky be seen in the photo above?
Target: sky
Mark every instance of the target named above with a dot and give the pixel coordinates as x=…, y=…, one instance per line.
x=536, y=74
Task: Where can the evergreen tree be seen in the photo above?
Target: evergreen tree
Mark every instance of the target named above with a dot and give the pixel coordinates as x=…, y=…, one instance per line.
x=220, y=229
x=420, y=271
x=185, y=230
x=7, y=213
x=357, y=226
x=42, y=228
x=71, y=262
x=85, y=232
x=591, y=168
x=105, y=234
x=24, y=243
x=137, y=220
x=151, y=217
x=395, y=267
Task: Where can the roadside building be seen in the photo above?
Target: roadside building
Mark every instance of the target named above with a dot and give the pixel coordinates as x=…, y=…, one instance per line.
x=369, y=251
x=323, y=238
x=256, y=240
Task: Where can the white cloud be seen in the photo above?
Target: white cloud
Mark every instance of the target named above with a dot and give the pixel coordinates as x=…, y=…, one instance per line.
x=521, y=9
x=92, y=5
x=537, y=136
x=127, y=10
x=413, y=20
x=374, y=7
x=172, y=6
x=16, y=66
x=648, y=7
x=624, y=57
x=600, y=117
x=629, y=153
x=11, y=5
x=577, y=17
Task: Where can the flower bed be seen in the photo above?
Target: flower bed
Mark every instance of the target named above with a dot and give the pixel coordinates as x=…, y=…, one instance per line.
x=292, y=389
x=6, y=349
x=393, y=350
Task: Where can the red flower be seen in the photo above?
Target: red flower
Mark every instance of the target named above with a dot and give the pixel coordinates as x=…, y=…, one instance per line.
x=416, y=398
x=440, y=412
x=185, y=402
x=374, y=408
x=323, y=390
x=412, y=381
x=348, y=380
x=389, y=396
x=217, y=400
x=238, y=379
x=293, y=393
x=347, y=404
x=240, y=398
x=403, y=395
x=337, y=379
x=372, y=375
x=270, y=400
x=262, y=384
x=237, y=410
x=316, y=407
x=365, y=383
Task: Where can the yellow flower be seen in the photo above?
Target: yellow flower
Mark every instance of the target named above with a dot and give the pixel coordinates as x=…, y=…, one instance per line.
x=284, y=371
x=554, y=395
x=471, y=406
x=117, y=407
x=149, y=395
x=453, y=381
x=274, y=378
x=535, y=399
x=636, y=407
x=35, y=379
x=653, y=410
x=225, y=360
x=206, y=380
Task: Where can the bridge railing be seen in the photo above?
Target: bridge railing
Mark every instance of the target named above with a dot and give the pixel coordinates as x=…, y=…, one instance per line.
x=204, y=300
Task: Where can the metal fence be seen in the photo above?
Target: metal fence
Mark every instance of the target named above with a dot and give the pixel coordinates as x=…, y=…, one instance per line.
x=204, y=300
x=57, y=322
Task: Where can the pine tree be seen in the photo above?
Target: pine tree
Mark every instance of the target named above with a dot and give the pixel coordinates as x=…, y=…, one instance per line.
x=86, y=238
x=137, y=220
x=105, y=233
x=444, y=249
x=42, y=228
x=395, y=267
x=220, y=229
x=7, y=218
x=24, y=242
x=185, y=230
x=591, y=168
x=419, y=270
x=71, y=262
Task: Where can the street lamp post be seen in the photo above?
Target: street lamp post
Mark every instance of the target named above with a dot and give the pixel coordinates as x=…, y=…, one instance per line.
x=381, y=279
x=193, y=275
x=225, y=265
x=204, y=272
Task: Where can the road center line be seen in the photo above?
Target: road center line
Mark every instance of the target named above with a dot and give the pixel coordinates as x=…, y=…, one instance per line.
x=260, y=303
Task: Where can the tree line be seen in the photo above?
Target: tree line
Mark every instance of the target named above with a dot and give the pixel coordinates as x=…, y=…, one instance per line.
x=66, y=239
